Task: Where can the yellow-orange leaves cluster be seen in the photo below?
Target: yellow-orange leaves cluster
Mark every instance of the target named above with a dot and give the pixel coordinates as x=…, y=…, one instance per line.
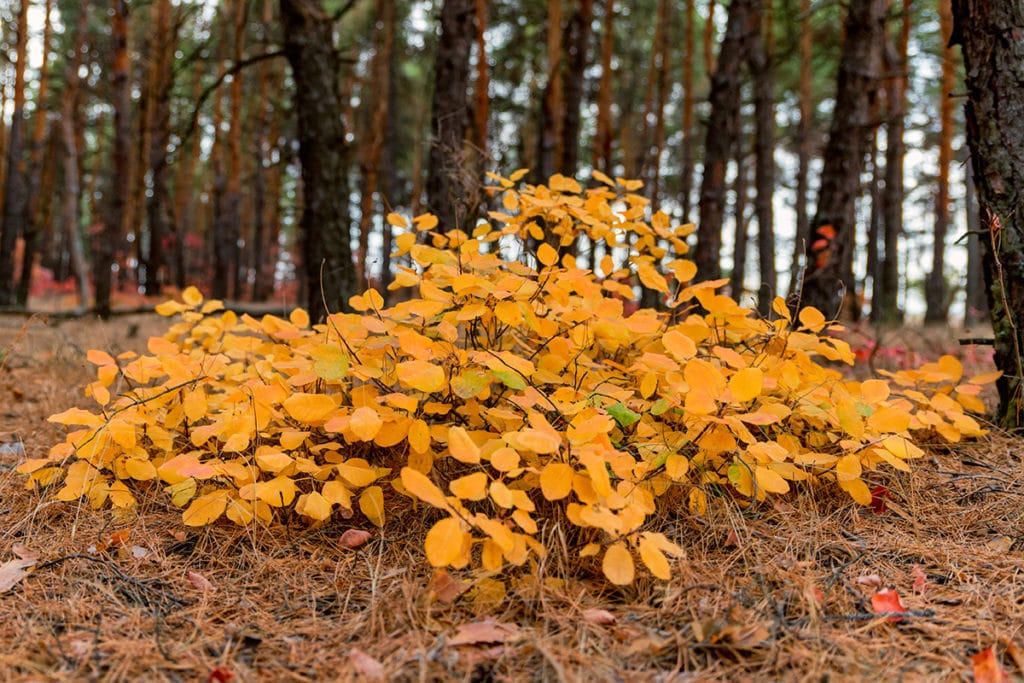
x=514, y=389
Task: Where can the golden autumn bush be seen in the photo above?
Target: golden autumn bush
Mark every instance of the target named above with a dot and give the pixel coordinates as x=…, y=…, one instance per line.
x=510, y=393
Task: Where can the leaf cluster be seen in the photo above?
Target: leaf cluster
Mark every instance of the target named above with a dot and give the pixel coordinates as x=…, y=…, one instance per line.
x=512, y=393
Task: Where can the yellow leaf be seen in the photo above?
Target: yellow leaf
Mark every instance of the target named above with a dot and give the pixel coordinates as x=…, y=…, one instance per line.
x=417, y=484
x=371, y=504
x=902, y=448
x=140, y=469
x=561, y=183
x=421, y=375
x=547, y=254
x=780, y=308
x=278, y=492
x=651, y=555
x=205, y=509
x=770, y=481
x=273, y=461
x=746, y=384
x=889, y=419
x=679, y=345
x=365, y=423
x=470, y=487
x=556, y=480
x=501, y=495
x=505, y=459
x=445, y=542
x=857, y=489
x=397, y=220
x=309, y=408
x=874, y=390
x=299, y=318
x=462, y=447
x=848, y=468
x=192, y=296
x=314, y=506
x=651, y=278
x=812, y=319
x=335, y=492
x=676, y=466
x=698, y=501
x=986, y=377
x=618, y=564
x=419, y=436
x=849, y=418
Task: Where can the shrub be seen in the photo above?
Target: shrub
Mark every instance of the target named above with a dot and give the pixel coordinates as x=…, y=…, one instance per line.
x=512, y=392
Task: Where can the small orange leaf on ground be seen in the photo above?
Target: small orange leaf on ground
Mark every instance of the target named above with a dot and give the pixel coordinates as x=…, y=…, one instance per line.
x=599, y=617
x=986, y=667
x=12, y=572
x=354, y=538
x=446, y=587
x=200, y=582
x=487, y=631
x=888, y=601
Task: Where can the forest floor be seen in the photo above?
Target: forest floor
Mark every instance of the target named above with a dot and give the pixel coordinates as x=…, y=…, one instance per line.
x=781, y=591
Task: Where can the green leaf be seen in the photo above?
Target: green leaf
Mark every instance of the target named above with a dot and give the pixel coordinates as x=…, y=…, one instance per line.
x=512, y=380
x=623, y=415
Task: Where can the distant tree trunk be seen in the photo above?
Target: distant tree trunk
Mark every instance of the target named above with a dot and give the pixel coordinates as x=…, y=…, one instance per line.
x=686, y=173
x=260, y=255
x=740, y=238
x=396, y=140
x=709, y=40
x=108, y=244
x=602, y=156
x=936, y=290
x=481, y=86
x=184, y=189
x=896, y=63
x=72, y=197
x=763, y=73
x=664, y=66
x=3, y=141
x=451, y=185
x=161, y=82
x=551, y=116
x=577, y=38
x=828, y=277
x=976, y=305
x=35, y=166
x=803, y=223
x=233, y=238
x=323, y=153
x=744, y=22
x=373, y=142
x=989, y=32
x=639, y=164
x=15, y=185
x=874, y=262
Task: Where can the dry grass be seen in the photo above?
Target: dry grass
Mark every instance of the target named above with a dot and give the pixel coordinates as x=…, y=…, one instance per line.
x=779, y=592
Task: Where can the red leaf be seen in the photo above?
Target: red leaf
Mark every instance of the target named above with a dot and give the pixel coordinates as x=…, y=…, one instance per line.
x=920, y=580
x=878, y=496
x=888, y=600
x=819, y=245
x=986, y=667
x=221, y=674
x=827, y=231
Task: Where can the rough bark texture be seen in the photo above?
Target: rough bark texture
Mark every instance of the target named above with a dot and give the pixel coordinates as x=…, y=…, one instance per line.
x=686, y=172
x=323, y=153
x=722, y=129
x=803, y=222
x=551, y=114
x=15, y=186
x=742, y=229
x=161, y=81
x=451, y=182
x=976, y=305
x=602, y=157
x=763, y=73
x=577, y=38
x=991, y=33
x=35, y=165
x=105, y=248
x=828, y=276
x=936, y=289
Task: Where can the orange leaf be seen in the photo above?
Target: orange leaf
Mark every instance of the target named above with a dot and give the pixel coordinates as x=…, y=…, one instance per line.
x=986, y=667
x=888, y=600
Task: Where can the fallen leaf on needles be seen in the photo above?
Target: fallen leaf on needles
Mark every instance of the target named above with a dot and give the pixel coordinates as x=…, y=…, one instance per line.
x=353, y=538
x=986, y=667
x=446, y=587
x=599, y=617
x=1016, y=654
x=200, y=582
x=888, y=600
x=869, y=580
x=1000, y=544
x=878, y=496
x=221, y=674
x=366, y=665
x=13, y=571
x=920, y=580
x=486, y=631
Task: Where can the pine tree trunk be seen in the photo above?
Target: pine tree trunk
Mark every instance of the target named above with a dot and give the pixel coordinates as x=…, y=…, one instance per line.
x=686, y=173
x=451, y=184
x=15, y=184
x=803, y=223
x=828, y=279
x=109, y=244
x=744, y=23
x=551, y=115
x=990, y=33
x=763, y=73
x=323, y=153
x=976, y=305
x=742, y=229
x=577, y=38
x=602, y=154
x=936, y=289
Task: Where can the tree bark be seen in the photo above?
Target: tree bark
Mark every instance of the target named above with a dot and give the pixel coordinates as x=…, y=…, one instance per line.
x=742, y=229
x=763, y=72
x=577, y=38
x=686, y=173
x=828, y=278
x=551, y=114
x=936, y=289
x=990, y=33
x=106, y=248
x=722, y=130
x=323, y=153
x=602, y=154
x=15, y=185
x=976, y=305
x=803, y=223
x=451, y=184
